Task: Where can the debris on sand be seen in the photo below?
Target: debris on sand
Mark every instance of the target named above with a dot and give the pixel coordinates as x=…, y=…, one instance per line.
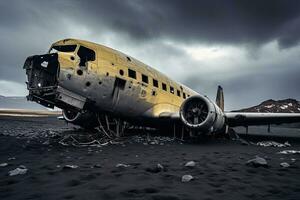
x=273, y=144
x=190, y=164
x=11, y=158
x=284, y=164
x=121, y=165
x=3, y=164
x=186, y=178
x=257, y=162
x=289, y=152
x=18, y=171
x=156, y=140
x=70, y=167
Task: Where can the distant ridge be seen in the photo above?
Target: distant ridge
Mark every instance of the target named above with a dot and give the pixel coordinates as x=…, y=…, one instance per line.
x=280, y=106
x=18, y=103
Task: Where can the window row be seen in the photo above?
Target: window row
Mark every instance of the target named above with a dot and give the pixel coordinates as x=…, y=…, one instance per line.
x=145, y=79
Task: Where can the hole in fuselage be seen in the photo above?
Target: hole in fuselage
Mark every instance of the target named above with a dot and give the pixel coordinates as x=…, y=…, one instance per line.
x=79, y=72
x=121, y=72
x=100, y=82
x=107, y=74
x=87, y=84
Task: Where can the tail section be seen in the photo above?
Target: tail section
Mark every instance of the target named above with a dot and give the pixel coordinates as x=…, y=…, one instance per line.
x=220, y=98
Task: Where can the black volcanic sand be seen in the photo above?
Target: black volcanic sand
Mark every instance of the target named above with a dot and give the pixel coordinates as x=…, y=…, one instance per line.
x=220, y=171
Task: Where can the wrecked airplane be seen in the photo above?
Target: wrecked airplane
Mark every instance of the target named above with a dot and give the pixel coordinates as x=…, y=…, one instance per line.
x=96, y=86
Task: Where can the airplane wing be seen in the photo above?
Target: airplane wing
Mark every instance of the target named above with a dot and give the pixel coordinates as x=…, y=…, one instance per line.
x=248, y=118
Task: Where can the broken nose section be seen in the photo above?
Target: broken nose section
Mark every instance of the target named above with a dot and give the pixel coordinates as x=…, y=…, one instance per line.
x=43, y=84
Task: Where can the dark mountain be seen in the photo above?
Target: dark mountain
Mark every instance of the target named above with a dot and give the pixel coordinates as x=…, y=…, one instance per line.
x=280, y=106
x=19, y=103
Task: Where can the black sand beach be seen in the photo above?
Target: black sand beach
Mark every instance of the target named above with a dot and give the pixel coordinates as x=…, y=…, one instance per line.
x=220, y=172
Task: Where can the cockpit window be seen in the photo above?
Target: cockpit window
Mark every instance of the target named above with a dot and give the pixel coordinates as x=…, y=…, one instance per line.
x=63, y=48
x=85, y=55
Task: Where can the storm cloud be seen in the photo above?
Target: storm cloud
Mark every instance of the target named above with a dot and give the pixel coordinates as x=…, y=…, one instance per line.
x=249, y=47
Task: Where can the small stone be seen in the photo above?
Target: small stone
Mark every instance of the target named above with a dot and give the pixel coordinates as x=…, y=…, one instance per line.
x=284, y=164
x=156, y=169
x=186, y=178
x=190, y=164
x=258, y=162
x=122, y=165
x=70, y=166
x=18, y=171
x=97, y=166
x=160, y=167
x=3, y=164
x=47, y=142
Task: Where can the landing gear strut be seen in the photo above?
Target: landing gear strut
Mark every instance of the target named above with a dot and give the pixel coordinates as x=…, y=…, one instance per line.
x=110, y=126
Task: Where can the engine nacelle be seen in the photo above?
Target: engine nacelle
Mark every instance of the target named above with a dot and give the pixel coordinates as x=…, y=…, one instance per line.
x=85, y=119
x=199, y=112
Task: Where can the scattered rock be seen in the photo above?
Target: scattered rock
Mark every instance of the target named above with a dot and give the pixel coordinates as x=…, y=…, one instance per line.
x=284, y=164
x=3, y=164
x=121, y=165
x=97, y=166
x=159, y=166
x=70, y=166
x=156, y=169
x=18, y=171
x=289, y=152
x=190, y=164
x=186, y=178
x=293, y=159
x=273, y=144
x=258, y=162
x=47, y=142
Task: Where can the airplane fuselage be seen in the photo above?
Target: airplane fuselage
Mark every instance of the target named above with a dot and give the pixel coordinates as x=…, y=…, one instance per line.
x=117, y=83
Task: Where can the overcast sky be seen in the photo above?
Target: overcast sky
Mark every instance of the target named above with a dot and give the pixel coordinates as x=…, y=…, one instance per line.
x=251, y=48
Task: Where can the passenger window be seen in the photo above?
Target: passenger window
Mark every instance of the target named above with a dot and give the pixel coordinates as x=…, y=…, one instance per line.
x=184, y=95
x=171, y=89
x=164, y=86
x=155, y=83
x=85, y=55
x=131, y=73
x=144, y=78
x=178, y=93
